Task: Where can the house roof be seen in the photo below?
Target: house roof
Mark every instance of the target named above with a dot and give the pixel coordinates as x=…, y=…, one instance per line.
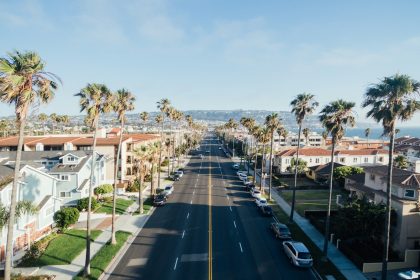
x=401, y=177
x=399, y=139
x=411, y=140
x=357, y=178
x=324, y=168
x=305, y=152
x=361, y=152
x=75, y=140
x=83, y=184
x=43, y=202
x=70, y=167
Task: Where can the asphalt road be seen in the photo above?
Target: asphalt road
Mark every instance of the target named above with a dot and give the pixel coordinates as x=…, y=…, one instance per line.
x=209, y=229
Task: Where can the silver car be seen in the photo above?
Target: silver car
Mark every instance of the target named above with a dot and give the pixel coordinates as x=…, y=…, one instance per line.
x=297, y=253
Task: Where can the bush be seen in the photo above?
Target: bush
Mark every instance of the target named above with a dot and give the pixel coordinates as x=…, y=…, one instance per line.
x=164, y=163
x=133, y=186
x=148, y=178
x=82, y=204
x=66, y=217
x=103, y=189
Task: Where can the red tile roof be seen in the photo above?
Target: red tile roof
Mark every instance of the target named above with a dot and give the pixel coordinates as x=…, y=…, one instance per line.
x=362, y=152
x=305, y=152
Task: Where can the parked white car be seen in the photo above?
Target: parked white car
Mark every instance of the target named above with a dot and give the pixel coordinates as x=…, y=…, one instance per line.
x=168, y=190
x=256, y=193
x=241, y=173
x=410, y=274
x=297, y=253
x=261, y=202
x=179, y=173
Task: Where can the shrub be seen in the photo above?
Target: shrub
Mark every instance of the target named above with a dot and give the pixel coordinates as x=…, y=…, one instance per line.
x=103, y=189
x=148, y=178
x=82, y=204
x=66, y=217
x=164, y=163
x=133, y=186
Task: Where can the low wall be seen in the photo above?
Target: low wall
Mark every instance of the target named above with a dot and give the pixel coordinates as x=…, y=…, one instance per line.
x=411, y=259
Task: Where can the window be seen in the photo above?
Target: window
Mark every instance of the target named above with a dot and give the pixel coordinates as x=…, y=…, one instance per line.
x=409, y=193
x=366, y=159
x=342, y=159
x=71, y=159
x=65, y=194
x=287, y=161
x=317, y=160
x=49, y=211
x=355, y=160
x=65, y=177
x=310, y=160
x=381, y=159
x=372, y=177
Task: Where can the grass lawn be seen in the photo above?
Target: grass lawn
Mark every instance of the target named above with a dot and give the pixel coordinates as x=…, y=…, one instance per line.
x=104, y=256
x=311, y=199
x=62, y=249
x=122, y=205
x=323, y=268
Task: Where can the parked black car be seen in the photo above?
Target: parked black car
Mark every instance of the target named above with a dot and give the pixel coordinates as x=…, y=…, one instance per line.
x=266, y=211
x=160, y=200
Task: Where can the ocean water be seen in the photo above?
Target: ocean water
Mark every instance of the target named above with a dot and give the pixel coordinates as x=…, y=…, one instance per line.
x=376, y=133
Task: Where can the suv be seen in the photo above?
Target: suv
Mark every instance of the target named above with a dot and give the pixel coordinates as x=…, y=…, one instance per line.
x=160, y=200
x=281, y=231
x=261, y=202
x=255, y=193
x=297, y=253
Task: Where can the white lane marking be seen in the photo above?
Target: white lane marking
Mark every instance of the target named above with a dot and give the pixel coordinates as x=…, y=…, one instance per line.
x=191, y=201
x=188, y=215
x=176, y=261
x=234, y=223
x=240, y=246
x=230, y=208
x=183, y=233
x=137, y=262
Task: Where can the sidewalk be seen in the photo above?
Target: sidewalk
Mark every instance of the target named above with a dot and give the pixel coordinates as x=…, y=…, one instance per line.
x=346, y=267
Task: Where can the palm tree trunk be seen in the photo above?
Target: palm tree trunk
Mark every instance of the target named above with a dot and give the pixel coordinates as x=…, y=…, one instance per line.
x=114, y=199
x=141, y=179
x=12, y=211
x=292, y=208
x=271, y=165
x=86, y=271
x=262, y=169
x=173, y=153
x=152, y=180
x=247, y=157
x=160, y=155
x=388, y=205
x=327, y=220
x=255, y=162
x=233, y=146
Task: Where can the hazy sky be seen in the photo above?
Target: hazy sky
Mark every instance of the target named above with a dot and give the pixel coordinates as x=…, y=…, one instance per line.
x=217, y=54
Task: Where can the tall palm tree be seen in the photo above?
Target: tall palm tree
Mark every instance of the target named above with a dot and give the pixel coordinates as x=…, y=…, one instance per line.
x=144, y=116
x=141, y=157
x=303, y=105
x=367, y=133
x=163, y=105
x=282, y=132
x=324, y=137
x=256, y=132
x=394, y=99
x=43, y=118
x=23, y=81
x=123, y=101
x=95, y=99
x=177, y=117
x=159, y=121
x=265, y=135
x=335, y=117
x=153, y=158
x=305, y=133
x=272, y=123
x=54, y=120
x=249, y=124
x=231, y=125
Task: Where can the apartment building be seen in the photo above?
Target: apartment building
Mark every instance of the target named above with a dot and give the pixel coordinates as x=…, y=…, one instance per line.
x=405, y=200
x=319, y=156
x=107, y=145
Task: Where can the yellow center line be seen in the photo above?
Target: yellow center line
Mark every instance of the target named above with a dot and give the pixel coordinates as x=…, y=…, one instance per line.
x=210, y=226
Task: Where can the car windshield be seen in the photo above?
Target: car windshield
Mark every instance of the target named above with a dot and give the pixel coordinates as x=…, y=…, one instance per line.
x=168, y=188
x=160, y=196
x=256, y=191
x=304, y=256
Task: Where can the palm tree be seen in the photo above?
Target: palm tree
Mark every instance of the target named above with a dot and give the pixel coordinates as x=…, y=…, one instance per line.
x=4, y=127
x=324, y=137
x=54, y=119
x=282, y=132
x=303, y=105
x=123, y=101
x=249, y=124
x=265, y=135
x=163, y=105
x=144, y=116
x=141, y=157
x=306, y=134
x=95, y=99
x=256, y=133
x=64, y=119
x=401, y=162
x=153, y=158
x=392, y=100
x=335, y=117
x=43, y=118
x=367, y=133
x=272, y=123
x=23, y=81
x=232, y=125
